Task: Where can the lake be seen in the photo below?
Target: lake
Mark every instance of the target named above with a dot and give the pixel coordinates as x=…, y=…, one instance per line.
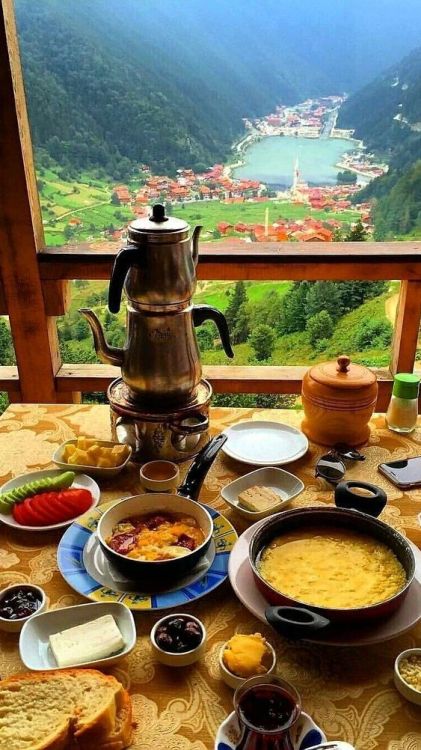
x=272, y=160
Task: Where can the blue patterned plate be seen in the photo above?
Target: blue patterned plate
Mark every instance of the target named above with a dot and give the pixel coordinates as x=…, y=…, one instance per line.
x=78, y=559
x=305, y=734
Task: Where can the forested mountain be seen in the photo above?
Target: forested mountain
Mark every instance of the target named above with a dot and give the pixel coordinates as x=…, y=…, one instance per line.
x=112, y=82
x=387, y=116
x=103, y=85
x=387, y=112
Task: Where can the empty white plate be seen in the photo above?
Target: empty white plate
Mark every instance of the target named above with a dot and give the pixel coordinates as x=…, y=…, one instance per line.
x=34, y=645
x=262, y=443
x=286, y=485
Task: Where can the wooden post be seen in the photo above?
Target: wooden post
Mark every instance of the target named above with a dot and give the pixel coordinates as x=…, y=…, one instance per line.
x=21, y=235
x=407, y=325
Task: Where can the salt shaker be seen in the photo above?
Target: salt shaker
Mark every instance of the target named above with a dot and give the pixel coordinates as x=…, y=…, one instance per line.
x=402, y=413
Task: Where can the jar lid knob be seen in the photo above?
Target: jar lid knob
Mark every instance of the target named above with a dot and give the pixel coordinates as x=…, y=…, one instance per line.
x=343, y=363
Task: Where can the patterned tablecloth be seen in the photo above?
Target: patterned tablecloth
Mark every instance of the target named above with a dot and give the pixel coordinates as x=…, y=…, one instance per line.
x=349, y=691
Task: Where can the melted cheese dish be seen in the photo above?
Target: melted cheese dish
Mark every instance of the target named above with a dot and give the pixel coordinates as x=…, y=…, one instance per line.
x=335, y=568
x=155, y=537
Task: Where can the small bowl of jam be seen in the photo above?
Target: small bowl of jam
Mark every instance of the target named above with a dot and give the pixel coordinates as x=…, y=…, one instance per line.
x=267, y=708
x=178, y=640
x=18, y=603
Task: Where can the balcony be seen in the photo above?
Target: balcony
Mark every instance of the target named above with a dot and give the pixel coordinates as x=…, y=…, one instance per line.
x=35, y=280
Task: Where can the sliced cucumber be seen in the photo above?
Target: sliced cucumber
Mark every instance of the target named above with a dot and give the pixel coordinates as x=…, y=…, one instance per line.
x=5, y=507
x=18, y=494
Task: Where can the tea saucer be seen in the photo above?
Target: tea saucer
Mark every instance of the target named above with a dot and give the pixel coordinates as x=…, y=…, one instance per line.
x=264, y=443
x=305, y=733
x=84, y=567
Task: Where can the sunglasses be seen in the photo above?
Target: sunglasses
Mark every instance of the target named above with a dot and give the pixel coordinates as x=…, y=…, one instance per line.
x=331, y=466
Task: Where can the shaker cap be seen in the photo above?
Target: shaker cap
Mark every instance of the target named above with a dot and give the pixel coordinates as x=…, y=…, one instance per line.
x=157, y=224
x=342, y=374
x=406, y=385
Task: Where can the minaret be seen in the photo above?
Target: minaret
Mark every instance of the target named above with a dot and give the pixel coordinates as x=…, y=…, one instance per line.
x=295, y=177
x=267, y=221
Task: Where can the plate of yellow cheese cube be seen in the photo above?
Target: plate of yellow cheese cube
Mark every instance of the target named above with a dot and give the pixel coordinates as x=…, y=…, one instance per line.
x=101, y=458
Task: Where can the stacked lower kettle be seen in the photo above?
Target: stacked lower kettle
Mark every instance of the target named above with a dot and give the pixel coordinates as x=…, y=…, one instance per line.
x=160, y=404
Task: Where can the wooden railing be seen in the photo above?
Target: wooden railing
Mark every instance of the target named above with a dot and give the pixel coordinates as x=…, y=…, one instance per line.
x=35, y=280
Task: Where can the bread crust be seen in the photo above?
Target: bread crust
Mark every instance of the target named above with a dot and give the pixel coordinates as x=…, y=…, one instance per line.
x=110, y=728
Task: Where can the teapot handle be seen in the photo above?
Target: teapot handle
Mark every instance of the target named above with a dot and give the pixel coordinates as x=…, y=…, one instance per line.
x=195, y=243
x=206, y=312
x=127, y=257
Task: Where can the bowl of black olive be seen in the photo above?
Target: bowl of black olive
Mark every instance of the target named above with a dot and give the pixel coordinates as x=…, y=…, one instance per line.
x=18, y=603
x=178, y=640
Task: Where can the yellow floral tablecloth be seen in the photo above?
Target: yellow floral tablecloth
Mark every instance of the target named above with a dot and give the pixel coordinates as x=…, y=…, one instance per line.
x=349, y=691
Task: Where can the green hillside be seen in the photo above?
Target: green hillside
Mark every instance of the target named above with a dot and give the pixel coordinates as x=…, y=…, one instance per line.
x=113, y=87
x=386, y=114
x=364, y=333
x=296, y=349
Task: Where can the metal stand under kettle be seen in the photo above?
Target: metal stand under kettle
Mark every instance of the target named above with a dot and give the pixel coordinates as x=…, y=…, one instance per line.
x=160, y=404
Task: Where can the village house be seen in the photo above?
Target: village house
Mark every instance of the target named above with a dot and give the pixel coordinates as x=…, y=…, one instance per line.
x=121, y=192
x=316, y=235
x=75, y=222
x=224, y=227
x=241, y=227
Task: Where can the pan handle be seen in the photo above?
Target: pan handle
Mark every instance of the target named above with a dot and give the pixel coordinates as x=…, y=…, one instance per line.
x=295, y=622
x=372, y=503
x=199, y=468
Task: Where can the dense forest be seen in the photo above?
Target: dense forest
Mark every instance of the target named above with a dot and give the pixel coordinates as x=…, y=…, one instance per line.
x=101, y=95
x=111, y=84
x=387, y=116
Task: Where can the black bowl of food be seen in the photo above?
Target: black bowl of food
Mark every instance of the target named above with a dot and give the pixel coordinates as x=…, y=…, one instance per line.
x=155, y=538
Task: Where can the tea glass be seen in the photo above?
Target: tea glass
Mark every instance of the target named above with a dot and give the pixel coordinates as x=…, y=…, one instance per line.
x=256, y=730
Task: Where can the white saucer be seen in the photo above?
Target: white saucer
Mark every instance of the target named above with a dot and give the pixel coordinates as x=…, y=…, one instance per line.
x=262, y=443
x=405, y=618
x=81, y=481
x=105, y=573
x=305, y=733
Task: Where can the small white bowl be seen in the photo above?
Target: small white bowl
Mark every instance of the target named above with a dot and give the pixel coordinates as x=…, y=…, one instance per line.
x=34, y=646
x=14, y=626
x=286, y=485
x=233, y=680
x=404, y=688
x=183, y=659
x=168, y=468
x=96, y=471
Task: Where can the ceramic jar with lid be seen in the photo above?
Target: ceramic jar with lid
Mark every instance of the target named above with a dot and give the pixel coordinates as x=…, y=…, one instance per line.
x=339, y=399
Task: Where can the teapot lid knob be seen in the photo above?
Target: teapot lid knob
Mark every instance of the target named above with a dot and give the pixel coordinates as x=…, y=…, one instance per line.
x=158, y=213
x=343, y=364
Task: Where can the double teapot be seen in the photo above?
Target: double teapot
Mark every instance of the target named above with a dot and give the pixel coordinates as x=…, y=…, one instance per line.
x=160, y=362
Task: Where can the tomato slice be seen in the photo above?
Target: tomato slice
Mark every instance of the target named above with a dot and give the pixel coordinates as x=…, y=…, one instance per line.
x=79, y=500
x=16, y=512
x=49, y=508
x=29, y=515
x=67, y=504
x=46, y=506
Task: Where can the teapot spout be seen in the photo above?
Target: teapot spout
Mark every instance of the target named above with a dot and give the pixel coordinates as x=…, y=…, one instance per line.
x=109, y=355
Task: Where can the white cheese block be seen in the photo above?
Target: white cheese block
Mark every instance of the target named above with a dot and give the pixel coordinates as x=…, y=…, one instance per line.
x=91, y=641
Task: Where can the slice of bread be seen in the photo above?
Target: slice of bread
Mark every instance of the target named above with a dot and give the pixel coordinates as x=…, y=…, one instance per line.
x=51, y=710
x=121, y=735
x=258, y=498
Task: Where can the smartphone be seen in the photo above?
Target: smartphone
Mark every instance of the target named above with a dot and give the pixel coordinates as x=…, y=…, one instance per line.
x=405, y=474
